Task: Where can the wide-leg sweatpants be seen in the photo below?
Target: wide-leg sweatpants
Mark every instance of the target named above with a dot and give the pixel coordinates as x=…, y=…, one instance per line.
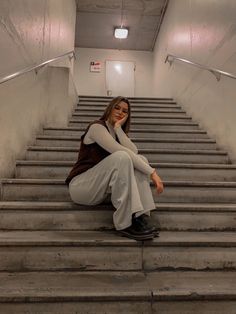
x=129, y=189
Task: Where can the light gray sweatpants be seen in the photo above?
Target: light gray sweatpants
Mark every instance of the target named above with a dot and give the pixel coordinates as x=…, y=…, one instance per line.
x=129, y=188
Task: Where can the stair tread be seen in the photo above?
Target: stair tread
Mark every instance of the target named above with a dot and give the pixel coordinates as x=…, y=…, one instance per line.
x=133, y=110
x=134, y=100
x=153, y=116
x=137, y=139
x=135, y=104
x=81, y=97
x=111, y=97
x=116, y=285
x=113, y=238
x=153, y=164
x=156, y=130
x=143, y=122
x=44, y=205
x=166, y=183
x=164, y=150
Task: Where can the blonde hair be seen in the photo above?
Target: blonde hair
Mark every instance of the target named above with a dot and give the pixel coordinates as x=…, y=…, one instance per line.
x=107, y=113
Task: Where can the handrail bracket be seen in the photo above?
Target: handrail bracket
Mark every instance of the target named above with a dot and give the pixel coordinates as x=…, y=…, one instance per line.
x=216, y=74
x=170, y=61
x=38, y=69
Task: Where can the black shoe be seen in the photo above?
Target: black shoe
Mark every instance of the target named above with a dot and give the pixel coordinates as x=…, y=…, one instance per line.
x=147, y=223
x=137, y=232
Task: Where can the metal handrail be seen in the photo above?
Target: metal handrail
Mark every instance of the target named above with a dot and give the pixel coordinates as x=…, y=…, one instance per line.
x=4, y=79
x=216, y=72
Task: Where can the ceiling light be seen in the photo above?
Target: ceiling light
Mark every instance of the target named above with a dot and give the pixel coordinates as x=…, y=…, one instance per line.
x=121, y=33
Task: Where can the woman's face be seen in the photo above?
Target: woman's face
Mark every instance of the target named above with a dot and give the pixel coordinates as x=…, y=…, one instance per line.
x=120, y=111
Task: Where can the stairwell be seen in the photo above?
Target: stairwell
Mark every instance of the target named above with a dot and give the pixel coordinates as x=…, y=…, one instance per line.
x=61, y=258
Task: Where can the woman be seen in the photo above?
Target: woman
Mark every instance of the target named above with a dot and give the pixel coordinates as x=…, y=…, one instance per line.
x=109, y=166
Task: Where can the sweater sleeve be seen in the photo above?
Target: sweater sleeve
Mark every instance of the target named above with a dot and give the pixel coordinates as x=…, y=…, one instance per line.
x=99, y=134
x=124, y=140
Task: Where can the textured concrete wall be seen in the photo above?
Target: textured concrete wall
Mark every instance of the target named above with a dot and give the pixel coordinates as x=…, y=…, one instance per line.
x=204, y=32
x=94, y=83
x=62, y=97
x=31, y=32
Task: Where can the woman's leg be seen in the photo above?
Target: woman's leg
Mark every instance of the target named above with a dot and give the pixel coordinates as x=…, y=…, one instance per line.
x=115, y=175
x=145, y=193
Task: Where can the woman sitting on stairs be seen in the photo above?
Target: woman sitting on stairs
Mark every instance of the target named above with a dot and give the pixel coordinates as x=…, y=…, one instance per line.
x=109, y=166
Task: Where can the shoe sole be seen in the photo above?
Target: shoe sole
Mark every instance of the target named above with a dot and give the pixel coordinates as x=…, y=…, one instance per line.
x=137, y=237
x=156, y=234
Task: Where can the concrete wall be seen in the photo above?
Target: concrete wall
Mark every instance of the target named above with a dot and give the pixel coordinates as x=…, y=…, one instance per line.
x=90, y=83
x=32, y=32
x=204, y=32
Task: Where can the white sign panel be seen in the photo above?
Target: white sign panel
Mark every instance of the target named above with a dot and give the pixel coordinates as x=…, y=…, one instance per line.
x=95, y=66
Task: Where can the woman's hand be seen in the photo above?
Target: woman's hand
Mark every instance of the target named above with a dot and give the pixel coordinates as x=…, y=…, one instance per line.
x=121, y=121
x=157, y=181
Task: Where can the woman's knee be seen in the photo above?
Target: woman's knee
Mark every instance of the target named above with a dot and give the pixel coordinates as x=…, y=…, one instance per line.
x=121, y=160
x=122, y=156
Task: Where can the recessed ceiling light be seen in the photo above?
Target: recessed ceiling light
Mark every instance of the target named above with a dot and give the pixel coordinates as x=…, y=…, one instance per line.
x=121, y=33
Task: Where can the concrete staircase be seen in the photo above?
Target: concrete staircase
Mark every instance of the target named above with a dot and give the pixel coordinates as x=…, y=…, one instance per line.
x=61, y=258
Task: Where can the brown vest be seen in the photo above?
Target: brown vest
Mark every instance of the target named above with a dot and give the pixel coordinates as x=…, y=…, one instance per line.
x=89, y=155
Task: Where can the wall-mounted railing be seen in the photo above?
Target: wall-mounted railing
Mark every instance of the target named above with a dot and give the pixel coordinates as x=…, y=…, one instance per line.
x=216, y=72
x=70, y=55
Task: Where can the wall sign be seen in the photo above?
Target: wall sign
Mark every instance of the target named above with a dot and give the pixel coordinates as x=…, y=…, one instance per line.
x=95, y=66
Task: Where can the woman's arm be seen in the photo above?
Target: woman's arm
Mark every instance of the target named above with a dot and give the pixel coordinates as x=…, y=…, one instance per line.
x=125, y=140
x=99, y=134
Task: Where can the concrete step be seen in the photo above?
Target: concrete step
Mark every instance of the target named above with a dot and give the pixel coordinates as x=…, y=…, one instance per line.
x=69, y=216
x=99, y=110
x=168, y=171
x=134, y=133
x=144, y=123
x=136, y=99
x=162, y=292
x=132, y=100
x=179, y=191
x=70, y=141
x=151, y=115
x=94, y=250
x=134, y=105
x=146, y=119
x=154, y=155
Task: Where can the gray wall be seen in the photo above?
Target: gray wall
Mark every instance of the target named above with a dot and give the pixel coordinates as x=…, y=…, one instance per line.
x=94, y=83
x=204, y=32
x=31, y=32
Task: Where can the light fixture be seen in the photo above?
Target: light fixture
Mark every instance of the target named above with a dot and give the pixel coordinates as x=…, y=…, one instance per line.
x=121, y=33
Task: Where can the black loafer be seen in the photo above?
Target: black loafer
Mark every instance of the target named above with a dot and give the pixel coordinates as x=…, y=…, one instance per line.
x=147, y=223
x=138, y=230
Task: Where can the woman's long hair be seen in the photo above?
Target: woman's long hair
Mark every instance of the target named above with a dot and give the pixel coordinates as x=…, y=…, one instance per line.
x=107, y=113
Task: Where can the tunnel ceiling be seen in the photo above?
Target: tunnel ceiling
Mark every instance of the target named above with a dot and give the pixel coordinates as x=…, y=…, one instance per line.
x=96, y=19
